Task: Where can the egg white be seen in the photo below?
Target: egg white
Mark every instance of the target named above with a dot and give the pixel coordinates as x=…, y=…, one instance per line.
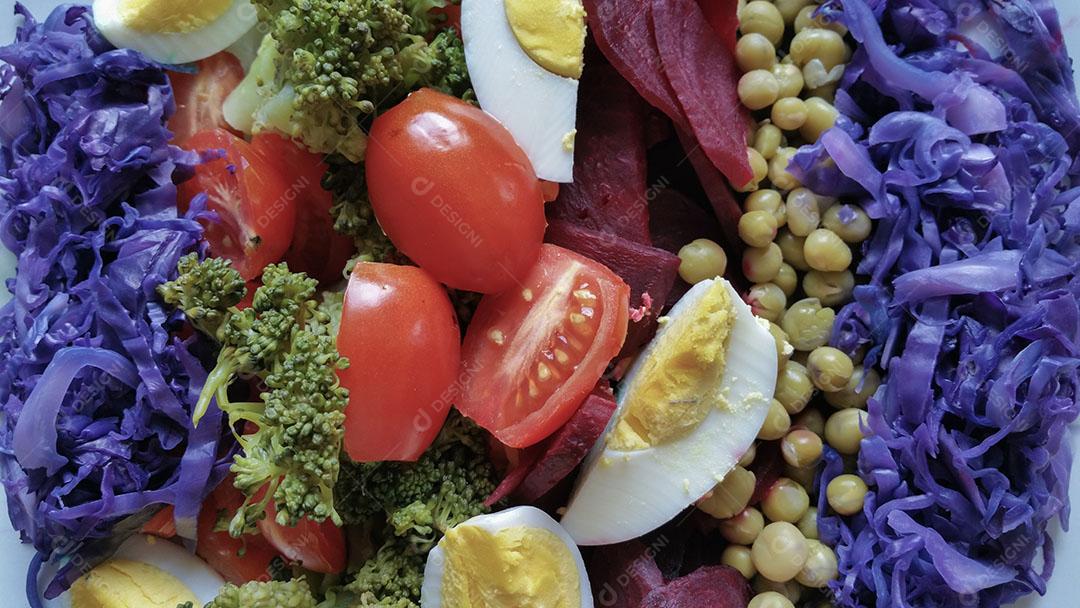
x=525, y=516
x=621, y=495
x=177, y=561
x=176, y=47
x=538, y=107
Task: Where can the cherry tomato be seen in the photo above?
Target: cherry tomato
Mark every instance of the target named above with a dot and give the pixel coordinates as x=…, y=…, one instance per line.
x=237, y=560
x=454, y=192
x=200, y=96
x=162, y=524
x=400, y=334
x=532, y=353
x=252, y=199
x=316, y=248
x=317, y=547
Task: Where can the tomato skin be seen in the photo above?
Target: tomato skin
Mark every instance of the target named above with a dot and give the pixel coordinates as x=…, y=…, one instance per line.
x=454, y=192
x=316, y=248
x=256, y=210
x=319, y=547
x=535, y=351
x=200, y=96
x=400, y=334
x=237, y=560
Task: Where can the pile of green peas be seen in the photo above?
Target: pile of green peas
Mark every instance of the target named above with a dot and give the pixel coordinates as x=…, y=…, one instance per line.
x=800, y=248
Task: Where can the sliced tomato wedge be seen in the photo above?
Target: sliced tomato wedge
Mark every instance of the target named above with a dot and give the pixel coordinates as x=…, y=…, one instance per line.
x=534, y=352
x=317, y=547
x=201, y=95
x=254, y=201
x=162, y=524
x=237, y=560
x=315, y=248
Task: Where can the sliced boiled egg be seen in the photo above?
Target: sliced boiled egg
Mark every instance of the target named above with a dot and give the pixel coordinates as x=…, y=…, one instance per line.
x=688, y=408
x=147, y=572
x=525, y=58
x=515, y=558
x=174, y=32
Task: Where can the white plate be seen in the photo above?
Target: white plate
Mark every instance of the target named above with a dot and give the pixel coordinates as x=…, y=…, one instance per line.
x=14, y=556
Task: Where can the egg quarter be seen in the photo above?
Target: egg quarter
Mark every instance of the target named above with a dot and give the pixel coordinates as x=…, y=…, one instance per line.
x=624, y=493
x=174, y=33
x=526, y=76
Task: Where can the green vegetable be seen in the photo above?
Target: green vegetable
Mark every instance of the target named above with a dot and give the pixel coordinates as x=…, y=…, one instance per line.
x=352, y=212
x=421, y=500
x=390, y=579
x=293, y=447
x=327, y=66
x=265, y=594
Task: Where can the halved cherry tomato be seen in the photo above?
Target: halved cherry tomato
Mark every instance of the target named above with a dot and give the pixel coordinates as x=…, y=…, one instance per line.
x=252, y=199
x=454, y=192
x=237, y=560
x=400, y=334
x=317, y=547
x=316, y=248
x=200, y=96
x=532, y=353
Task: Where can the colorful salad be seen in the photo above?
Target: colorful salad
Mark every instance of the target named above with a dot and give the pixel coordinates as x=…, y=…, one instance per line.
x=539, y=303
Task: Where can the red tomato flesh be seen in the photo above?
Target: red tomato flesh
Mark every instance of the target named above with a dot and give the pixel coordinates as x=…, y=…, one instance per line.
x=315, y=248
x=256, y=210
x=533, y=352
x=400, y=334
x=201, y=96
x=454, y=192
x=237, y=560
x=319, y=547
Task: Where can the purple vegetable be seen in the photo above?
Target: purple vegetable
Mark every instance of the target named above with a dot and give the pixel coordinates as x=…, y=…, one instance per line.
x=966, y=157
x=95, y=386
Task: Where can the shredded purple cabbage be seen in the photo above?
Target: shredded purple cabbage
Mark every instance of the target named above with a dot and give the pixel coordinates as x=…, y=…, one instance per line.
x=96, y=387
x=960, y=137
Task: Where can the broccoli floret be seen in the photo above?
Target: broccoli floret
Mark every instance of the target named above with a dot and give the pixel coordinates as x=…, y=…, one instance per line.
x=290, y=452
x=422, y=500
x=352, y=212
x=390, y=579
x=327, y=66
x=204, y=290
x=270, y=594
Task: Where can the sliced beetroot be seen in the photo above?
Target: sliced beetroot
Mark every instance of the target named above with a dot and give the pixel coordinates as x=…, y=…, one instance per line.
x=716, y=188
x=650, y=272
x=608, y=192
x=623, y=575
x=703, y=75
x=712, y=586
x=767, y=467
x=723, y=18
x=515, y=474
x=565, y=450
x=621, y=30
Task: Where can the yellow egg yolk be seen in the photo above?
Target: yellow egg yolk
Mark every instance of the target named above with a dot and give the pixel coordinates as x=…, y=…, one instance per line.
x=122, y=583
x=170, y=16
x=551, y=32
x=515, y=567
x=676, y=386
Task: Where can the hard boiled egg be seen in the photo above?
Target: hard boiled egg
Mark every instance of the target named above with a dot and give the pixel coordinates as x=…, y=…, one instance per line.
x=174, y=32
x=510, y=559
x=147, y=572
x=525, y=58
x=689, y=407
